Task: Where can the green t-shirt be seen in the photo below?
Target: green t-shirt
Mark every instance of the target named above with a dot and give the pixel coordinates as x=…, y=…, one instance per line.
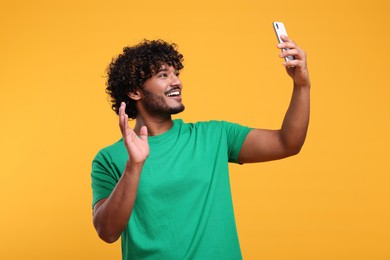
x=183, y=208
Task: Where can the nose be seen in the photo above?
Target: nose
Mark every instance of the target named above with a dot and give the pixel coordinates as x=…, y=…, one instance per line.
x=175, y=81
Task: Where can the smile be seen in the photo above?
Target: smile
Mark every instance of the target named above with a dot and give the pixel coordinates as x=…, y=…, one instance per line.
x=173, y=93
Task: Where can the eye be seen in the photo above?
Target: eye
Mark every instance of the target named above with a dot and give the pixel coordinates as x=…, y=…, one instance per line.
x=163, y=75
x=177, y=74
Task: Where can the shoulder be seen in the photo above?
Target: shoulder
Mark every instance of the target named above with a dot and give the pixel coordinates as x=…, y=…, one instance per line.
x=111, y=150
x=217, y=127
x=206, y=124
x=201, y=126
x=221, y=125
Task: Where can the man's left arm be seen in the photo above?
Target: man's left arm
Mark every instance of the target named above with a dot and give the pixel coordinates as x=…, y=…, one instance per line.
x=265, y=145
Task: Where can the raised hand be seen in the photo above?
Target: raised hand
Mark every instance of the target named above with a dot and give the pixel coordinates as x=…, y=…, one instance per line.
x=137, y=147
x=297, y=68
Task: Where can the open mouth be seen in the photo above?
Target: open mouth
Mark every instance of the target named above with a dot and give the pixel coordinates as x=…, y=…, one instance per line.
x=173, y=93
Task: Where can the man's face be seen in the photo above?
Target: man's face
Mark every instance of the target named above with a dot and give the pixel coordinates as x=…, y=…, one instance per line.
x=161, y=94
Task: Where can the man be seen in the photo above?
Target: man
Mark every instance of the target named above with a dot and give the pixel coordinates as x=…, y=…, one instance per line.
x=164, y=187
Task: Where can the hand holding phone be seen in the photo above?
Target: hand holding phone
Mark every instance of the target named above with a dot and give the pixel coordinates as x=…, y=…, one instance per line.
x=280, y=29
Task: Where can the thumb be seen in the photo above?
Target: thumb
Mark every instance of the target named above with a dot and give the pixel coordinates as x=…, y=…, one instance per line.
x=143, y=133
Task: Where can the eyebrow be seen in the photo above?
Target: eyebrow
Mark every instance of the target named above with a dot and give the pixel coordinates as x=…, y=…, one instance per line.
x=166, y=68
x=162, y=69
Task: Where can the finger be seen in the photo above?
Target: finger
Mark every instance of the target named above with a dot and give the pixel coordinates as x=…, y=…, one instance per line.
x=128, y=134
x=122, y=108
x=298, y=65
x=121, y=114
x=285, y=38
x=288, y=45
x=297, y=53
x=122, y=124
x=126, y=121
x=123, y=118
x=143, y=133
x=290, y=52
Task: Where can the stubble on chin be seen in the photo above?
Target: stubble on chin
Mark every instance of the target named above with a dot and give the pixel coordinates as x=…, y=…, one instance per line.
x=157, y=104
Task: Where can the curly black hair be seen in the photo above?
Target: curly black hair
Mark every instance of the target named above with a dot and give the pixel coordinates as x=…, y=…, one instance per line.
x=134, y=66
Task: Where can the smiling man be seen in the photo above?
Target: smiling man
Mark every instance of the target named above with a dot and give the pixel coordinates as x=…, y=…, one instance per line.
x=164, y=187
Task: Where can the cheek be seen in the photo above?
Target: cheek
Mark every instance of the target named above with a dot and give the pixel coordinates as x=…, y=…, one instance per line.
x=154, y=99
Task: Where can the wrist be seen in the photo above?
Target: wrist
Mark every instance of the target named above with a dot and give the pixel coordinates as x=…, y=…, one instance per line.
x=306, y=85
x=133, y=168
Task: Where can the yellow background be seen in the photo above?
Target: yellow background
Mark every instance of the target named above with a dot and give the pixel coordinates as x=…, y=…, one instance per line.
x=329, y=202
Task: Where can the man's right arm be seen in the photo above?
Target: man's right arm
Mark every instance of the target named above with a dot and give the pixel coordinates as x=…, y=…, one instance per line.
x=112, y=214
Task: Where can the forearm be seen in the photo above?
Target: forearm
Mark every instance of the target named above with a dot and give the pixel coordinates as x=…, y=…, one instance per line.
x=296, y=121
x=112, y=216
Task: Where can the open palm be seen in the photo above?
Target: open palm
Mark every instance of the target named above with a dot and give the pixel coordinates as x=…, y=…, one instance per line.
x=137, y=147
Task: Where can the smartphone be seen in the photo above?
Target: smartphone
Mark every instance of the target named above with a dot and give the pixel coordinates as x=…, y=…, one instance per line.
x=280, y=29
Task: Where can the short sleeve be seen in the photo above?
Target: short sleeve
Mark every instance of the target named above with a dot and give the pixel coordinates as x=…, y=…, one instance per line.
x=103, y=177
x=236, y=135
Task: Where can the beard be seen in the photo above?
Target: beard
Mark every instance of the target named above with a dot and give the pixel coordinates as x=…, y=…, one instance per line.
x=157, y=104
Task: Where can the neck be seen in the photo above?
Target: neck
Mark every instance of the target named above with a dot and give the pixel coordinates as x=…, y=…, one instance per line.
x=156, y=126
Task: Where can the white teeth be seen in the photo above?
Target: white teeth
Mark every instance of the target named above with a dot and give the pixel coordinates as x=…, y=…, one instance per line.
x=174, y=93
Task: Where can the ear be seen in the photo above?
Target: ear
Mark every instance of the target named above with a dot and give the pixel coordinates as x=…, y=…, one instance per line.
x=134, y=95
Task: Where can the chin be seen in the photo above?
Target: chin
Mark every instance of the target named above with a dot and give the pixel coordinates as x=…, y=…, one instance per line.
x=177, y=110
